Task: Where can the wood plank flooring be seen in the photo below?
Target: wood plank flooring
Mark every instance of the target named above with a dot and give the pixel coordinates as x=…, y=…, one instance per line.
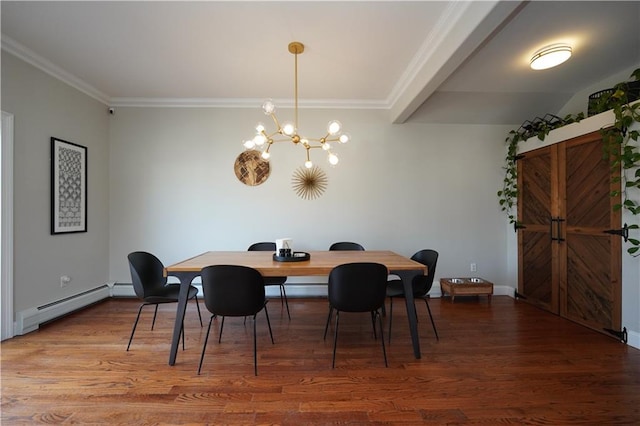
x=503, y=362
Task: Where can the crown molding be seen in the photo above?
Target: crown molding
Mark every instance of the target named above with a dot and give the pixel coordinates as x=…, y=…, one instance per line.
x=246, y=103
x=22, y=52
x=29, y=56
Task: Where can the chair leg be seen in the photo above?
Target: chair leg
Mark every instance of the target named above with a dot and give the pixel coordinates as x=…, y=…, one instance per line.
x=384, y=350
x=221, y=327
x=283, y=295
x=390, y=316
x=255, y=348
x=135, y=324
x=266, y=312
x=326, y=327
x=155, y=312
x=206, y=338
x=373, y=323
x=431, y=317
x=335, y=339
x=199, y=314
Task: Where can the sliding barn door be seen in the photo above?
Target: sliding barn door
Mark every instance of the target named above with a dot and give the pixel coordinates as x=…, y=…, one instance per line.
x=590, y=285
x=568, y=263
x=537, y=257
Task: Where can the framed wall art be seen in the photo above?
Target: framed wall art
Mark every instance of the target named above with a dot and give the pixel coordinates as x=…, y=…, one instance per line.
x=68, y=187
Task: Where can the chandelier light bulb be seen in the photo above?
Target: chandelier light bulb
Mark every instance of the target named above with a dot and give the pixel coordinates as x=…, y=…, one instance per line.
x=334, y=127
x=288, y=129
x=268, y=107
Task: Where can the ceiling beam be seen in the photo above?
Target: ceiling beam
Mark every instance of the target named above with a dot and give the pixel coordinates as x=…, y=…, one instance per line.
x=464, y=28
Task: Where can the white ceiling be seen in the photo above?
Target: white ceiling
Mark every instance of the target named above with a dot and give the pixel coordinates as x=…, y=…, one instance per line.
x=427, y=61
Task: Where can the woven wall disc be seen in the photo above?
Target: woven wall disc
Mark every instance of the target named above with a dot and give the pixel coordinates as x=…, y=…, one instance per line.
x=251, y=169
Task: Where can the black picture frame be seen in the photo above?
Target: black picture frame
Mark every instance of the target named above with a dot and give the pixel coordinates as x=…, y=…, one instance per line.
x=68, y=187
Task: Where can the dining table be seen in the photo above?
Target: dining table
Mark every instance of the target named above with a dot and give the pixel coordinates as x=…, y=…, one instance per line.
x=319, y=263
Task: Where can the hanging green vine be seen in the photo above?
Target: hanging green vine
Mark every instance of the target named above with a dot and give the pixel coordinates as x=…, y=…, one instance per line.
x=620, y=147
x=540, y=128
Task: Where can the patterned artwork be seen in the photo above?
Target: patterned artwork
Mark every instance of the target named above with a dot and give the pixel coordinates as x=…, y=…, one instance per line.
x=69, y=200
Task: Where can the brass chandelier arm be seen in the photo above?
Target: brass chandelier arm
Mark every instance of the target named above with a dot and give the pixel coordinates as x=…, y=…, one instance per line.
x=289, y=131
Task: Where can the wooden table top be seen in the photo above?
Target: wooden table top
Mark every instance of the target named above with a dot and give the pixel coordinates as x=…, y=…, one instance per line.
x=320, y=263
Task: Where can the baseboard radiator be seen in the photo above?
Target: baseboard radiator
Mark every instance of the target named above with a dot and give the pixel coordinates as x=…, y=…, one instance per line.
x=29, y=320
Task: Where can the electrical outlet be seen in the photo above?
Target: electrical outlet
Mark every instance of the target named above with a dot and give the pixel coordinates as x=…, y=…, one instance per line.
x=473, y=267
x=64, y=280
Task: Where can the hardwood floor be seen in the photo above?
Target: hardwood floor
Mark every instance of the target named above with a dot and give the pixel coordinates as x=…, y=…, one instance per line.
x=500, y=363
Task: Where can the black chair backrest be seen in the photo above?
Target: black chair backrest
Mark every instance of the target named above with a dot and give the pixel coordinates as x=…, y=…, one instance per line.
x=232, y=290
x=346, y=245
x=147, y=273
x=358, y=287
x=422, y=283
x=264, y=246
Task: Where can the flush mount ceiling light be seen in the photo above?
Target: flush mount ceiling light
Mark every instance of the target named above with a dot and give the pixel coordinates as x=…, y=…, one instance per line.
x=550, y=56
x=288, y=132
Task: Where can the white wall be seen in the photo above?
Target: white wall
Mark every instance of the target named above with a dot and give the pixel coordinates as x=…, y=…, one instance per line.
x=44, y=107
x=400, y=187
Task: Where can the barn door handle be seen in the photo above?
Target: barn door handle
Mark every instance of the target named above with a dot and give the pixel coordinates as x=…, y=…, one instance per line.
x=623, y=232
x=517, y=225
x=559, y=227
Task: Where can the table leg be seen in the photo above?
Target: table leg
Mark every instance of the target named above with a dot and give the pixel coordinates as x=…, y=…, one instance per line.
x=407, y=278
x=185, y=281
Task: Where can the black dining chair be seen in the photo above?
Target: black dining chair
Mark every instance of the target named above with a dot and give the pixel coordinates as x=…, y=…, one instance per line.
x=270, y=281
x=341, y=246
x=346, y=245
x=233, y=291
x=358, y=287
x=150, y=285
x=421, y=285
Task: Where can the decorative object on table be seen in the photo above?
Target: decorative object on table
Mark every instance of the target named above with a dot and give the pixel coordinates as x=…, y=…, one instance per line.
x=68, y=187
x=288, y=131
x=251, y=169
x=295, y=256
x=284, y=247
x=309, y=183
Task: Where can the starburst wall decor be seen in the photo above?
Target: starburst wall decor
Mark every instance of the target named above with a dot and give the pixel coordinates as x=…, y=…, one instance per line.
x=309, y=183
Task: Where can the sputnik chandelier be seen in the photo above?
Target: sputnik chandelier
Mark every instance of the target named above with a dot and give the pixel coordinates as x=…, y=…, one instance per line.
x=288, y=132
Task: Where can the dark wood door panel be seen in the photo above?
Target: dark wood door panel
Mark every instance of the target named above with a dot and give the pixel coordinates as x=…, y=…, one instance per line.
x=535, y=188
x=587, y=186
x=536, y=280
x=590, y=294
